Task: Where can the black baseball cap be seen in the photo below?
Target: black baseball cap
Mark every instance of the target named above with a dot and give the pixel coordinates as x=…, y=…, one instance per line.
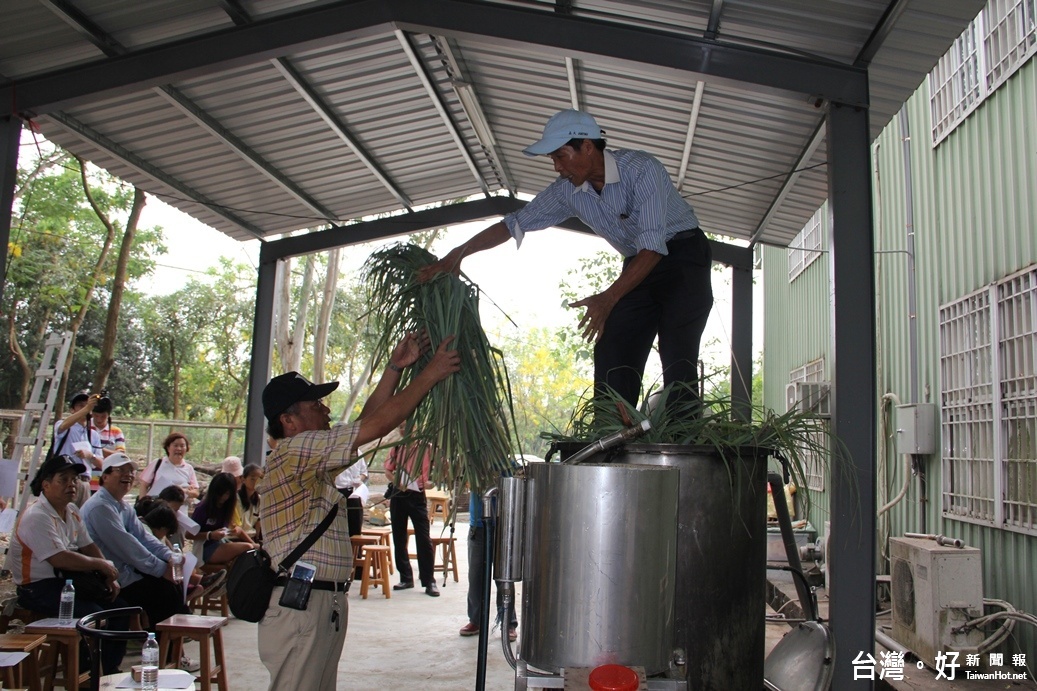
x=79, y=398
x=51, y=467
x=287, y=389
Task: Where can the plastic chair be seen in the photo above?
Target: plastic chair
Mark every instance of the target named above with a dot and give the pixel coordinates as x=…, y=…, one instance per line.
x=93, y=629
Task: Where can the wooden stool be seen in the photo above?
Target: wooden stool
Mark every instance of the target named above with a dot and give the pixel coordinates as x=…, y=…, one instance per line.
x=384, y=534
x=27, y=672
x=449, y=552
x=61, y=639
x=438, y=505
x=376, y=571
x=208, y=632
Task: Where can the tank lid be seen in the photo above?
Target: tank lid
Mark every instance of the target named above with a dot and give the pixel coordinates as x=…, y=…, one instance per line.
x=613, y=678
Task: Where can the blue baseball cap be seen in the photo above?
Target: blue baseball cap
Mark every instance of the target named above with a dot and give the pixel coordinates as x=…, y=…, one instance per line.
x=563, y=126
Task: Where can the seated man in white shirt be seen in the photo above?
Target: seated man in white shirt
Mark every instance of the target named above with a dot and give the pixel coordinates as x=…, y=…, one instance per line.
x=52, y=543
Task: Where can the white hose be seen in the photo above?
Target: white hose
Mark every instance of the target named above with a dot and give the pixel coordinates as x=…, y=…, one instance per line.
x=907, y=462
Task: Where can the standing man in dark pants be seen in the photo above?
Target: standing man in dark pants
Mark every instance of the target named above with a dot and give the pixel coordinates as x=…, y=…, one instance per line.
x=628, y=199
x=408, y=502
x=476, y=573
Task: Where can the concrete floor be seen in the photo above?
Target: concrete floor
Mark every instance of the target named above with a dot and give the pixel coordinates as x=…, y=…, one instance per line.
x=410, y=641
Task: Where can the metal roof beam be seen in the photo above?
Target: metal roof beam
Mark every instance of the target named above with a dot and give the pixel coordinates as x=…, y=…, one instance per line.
x=569, y=36
x=421, y=71
x=131, y=159
x=331, y=119
x=207, y=122
x=71, y=15
x=713, y=24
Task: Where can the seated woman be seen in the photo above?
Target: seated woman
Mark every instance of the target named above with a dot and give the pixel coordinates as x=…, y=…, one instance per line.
x=162, y=521
x=175, y=497
x=214, y=515
x=248, y=499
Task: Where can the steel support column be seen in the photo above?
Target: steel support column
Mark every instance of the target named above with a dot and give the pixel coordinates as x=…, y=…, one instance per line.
x=10, y=134
x=742, y=340
x=852, y=286
x=262, y=352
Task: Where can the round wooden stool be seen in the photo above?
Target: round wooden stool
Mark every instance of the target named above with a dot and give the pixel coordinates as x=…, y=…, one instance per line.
x=448, y=553
x=376, y=571
x=208, y=631
x=384, y=535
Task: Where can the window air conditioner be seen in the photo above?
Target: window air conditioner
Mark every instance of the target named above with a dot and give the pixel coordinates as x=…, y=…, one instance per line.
x=935, y=590
x=809, y=397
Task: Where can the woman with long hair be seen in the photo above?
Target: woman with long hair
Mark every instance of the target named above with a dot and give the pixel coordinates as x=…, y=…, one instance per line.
x=248, y=499
x=215, y=518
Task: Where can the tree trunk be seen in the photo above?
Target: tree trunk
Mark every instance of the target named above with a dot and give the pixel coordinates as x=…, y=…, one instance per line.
x=291, y=338
x=95, y=276
x=323, y=326
x=107, y=359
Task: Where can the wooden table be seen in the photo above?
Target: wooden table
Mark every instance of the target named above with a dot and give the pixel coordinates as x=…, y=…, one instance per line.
x=67, y=636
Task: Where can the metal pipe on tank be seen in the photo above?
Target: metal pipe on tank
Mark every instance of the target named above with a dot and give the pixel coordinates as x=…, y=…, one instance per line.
x=511, y=519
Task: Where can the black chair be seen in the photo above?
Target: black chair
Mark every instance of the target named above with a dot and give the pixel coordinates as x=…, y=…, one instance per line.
x=93, y=628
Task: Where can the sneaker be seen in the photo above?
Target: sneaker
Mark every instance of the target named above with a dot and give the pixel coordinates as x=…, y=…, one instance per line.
x=469, y=629
x=512, y=634
x=210, y=583
x=189, y=664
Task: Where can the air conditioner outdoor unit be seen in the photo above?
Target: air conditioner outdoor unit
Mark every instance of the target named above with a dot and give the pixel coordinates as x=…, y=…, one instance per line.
x=809, y=397
x=935, y=590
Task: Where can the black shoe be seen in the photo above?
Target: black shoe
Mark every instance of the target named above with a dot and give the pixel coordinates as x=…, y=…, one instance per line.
x=403, y=586
x=431, y=590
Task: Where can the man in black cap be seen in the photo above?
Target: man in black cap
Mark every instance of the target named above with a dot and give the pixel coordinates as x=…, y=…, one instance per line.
x=301, y=648
x=52, y=543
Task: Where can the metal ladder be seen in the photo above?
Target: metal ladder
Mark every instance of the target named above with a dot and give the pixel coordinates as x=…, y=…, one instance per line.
x=41, y=403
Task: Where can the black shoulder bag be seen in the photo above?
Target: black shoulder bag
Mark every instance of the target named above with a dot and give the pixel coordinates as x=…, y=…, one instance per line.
x=252, y=579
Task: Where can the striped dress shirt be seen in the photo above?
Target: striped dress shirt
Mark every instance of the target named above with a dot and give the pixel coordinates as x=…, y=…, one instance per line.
x=638, y=208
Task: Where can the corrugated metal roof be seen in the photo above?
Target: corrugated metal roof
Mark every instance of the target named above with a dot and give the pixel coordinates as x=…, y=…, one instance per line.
x=378, y=119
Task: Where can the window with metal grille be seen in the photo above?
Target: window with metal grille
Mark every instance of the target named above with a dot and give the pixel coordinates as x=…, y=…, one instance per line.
x=813, y=463
x=806, y=246
x=988, y=375
x=997, y=42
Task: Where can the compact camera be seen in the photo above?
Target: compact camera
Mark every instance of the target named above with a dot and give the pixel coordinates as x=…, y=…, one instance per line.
x=296, y=594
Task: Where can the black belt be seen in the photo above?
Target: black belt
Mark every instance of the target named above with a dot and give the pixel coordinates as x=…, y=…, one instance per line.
x=320, y=585
x=685, y=234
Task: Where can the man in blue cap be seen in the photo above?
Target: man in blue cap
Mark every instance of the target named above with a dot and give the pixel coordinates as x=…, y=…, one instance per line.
x=627, y=198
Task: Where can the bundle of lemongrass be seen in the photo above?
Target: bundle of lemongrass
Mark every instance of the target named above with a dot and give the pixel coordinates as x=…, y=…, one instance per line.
x=467, y=420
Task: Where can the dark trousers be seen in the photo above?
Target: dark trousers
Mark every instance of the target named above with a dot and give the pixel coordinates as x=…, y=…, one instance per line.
x=44, y=597
x=673, y=303
x=160, y=599
x=476, y=574
x=354, y=515
x=412, y=506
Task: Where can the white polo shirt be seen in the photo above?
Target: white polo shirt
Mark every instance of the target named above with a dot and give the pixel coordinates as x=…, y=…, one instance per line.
x=39, y=535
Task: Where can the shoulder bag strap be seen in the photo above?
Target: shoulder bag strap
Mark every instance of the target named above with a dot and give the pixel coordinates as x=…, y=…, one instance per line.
x=294, y=555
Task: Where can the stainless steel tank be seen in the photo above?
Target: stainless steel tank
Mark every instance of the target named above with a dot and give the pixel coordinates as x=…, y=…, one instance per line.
x=721, y=560
x=600, y=556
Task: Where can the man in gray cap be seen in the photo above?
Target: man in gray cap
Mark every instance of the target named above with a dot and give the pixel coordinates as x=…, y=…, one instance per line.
x=301, y=647
x=627, y=198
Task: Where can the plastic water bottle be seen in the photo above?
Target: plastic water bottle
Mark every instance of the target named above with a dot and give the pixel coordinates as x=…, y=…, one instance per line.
x=149, y=664
x=68, y=603
x=177, y=560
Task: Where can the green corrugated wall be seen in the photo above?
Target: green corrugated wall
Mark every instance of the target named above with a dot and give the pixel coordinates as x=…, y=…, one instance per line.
x=974, y=219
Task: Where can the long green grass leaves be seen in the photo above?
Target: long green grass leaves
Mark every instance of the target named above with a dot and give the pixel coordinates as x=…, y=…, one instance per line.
x=467, y=419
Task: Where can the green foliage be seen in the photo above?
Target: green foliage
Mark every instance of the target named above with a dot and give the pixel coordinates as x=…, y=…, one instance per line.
x=467, y=419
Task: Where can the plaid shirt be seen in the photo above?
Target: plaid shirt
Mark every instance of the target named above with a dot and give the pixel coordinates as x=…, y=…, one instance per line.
x=298, y=492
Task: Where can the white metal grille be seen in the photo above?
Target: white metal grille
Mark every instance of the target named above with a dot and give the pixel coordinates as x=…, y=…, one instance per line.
x=989, y=412
x=813, y=464
x=806, y=246
x=990, y=50
x=1011, y=37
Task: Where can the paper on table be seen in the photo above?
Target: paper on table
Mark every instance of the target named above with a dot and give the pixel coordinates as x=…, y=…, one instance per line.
x=8, y=477
x=167, y=679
